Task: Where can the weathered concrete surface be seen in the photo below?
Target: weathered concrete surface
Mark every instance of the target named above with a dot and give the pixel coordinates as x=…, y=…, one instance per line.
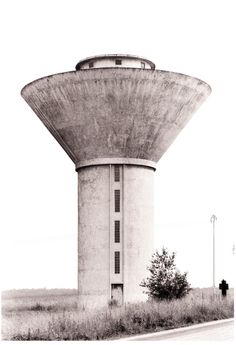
x=93, y=236
x=115, y=112
x=139, y=229
x=96, y=244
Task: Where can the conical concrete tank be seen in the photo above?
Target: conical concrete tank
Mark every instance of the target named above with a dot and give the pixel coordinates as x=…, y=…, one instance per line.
x=115, y=116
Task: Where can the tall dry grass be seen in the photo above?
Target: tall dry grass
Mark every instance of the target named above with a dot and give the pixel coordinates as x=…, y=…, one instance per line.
x=36, y=321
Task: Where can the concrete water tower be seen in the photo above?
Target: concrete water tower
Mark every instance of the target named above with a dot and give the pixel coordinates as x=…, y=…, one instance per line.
x=115, y=116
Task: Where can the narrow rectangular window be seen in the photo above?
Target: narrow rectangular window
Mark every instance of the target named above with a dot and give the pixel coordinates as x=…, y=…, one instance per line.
x=118, y=62
x=117, y=262
x=143, y=65
x=117, y=231
x=117, y=173
x=91, y=65
x=117, y=200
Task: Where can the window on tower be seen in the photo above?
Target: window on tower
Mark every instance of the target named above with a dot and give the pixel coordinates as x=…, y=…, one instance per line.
x=117, y=200
x=117, y=173
x=91, y=65
x=118, y=62
x=117, y=231
x=117, y=262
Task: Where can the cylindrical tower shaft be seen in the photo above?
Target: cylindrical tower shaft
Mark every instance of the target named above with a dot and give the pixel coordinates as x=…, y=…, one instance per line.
x=115, y=232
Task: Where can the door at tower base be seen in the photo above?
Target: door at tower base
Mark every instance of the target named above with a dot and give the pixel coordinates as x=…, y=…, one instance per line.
x=117, y=293
x=115, y=233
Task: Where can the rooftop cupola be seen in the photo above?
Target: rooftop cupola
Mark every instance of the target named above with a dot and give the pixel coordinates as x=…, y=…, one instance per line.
x=115, y=61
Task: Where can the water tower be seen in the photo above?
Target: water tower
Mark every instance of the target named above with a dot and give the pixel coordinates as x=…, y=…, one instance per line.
x=115, y=116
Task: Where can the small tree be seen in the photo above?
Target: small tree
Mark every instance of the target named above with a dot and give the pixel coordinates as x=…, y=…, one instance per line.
x=165, y=281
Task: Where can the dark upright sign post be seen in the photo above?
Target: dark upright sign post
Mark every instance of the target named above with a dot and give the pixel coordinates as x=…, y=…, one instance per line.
x=224, y=287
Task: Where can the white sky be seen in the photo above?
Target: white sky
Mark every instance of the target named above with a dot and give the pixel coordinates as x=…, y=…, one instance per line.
x=196, y=176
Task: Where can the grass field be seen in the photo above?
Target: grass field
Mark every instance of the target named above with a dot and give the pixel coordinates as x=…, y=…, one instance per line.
x=53, y=315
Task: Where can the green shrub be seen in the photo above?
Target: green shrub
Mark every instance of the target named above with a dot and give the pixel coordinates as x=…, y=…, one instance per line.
x=165, y=281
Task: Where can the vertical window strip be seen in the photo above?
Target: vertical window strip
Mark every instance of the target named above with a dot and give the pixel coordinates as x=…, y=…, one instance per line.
x=117, y=231
x=117, y=173
x=117, y=200
x=117, y=262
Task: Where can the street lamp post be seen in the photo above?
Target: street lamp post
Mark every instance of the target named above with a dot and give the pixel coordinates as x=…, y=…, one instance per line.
x=213, y=219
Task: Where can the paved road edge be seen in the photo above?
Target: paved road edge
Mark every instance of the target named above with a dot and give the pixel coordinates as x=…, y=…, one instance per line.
x=145, y=336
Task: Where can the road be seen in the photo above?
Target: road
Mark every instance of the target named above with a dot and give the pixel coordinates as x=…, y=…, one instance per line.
x=215, y=330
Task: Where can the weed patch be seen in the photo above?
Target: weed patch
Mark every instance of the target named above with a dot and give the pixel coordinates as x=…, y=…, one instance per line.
x=45, y=321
